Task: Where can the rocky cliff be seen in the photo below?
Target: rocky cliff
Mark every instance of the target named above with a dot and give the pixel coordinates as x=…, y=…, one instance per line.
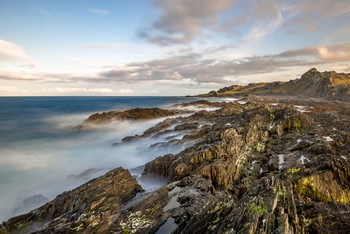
x=328, y=85
x=267, y=166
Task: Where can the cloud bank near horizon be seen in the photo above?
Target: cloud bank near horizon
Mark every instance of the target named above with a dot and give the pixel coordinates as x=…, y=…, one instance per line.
x=198, y=68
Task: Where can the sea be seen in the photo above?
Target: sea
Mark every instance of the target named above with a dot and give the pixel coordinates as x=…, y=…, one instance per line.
x=42, y=154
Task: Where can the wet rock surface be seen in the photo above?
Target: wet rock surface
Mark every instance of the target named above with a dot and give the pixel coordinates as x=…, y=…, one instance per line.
x=201, y=104
x=266, y=166
x=90, y=208
x=129, y=114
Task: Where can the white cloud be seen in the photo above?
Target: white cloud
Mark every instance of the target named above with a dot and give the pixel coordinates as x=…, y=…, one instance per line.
x=180, y=21
x=12, y=91
x=99, y=11
x=327, y=54
x=340, y=52
x=10, y=52
x=152, y=92
x=88, y=91
x=83, y=90
x=125, y=91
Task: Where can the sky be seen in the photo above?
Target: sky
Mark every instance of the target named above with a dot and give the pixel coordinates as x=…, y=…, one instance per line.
x=165, y=47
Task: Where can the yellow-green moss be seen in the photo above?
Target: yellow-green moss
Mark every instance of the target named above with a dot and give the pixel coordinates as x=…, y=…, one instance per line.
x=260, y=147
x=294, y=170
x=259, y=207
x=323, y=187
x=280, y=89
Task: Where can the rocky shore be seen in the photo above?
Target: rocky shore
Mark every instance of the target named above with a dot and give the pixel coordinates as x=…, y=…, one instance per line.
x=128, y=114
x=264, y=165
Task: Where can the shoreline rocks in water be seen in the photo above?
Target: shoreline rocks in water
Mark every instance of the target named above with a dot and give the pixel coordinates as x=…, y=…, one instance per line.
x=92, y=207
x=256, y=168
x=129, y=114
x=200, y=104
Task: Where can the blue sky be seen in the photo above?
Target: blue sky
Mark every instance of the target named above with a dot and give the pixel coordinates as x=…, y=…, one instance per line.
x=165, y=47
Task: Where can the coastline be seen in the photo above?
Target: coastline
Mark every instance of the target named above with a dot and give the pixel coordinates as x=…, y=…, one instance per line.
x=202, y=166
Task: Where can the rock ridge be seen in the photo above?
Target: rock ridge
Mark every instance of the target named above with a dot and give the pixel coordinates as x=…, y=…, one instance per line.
x=327, y=85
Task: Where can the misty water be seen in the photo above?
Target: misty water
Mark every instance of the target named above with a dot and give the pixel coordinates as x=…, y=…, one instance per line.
x=42, y=154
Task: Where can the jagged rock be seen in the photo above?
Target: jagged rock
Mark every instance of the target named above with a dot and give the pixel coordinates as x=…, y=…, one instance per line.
x=159, y=167
x=129, y=114
x=200, y=104
x=90, y=208
x=288, y=120
x=323, y=187
x=186, y=126
x=234, y=162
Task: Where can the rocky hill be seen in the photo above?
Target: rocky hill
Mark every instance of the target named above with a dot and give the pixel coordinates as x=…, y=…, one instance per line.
x=328, y=85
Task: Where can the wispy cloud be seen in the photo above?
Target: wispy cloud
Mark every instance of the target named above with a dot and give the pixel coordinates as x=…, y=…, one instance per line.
x=88, y=90
x=97, y=11
x=48, y=14
x=304, y=13
x=10, y=52
x=152, y=92
x=183, y=21
x=264, y=28
x=28, y=66
x=339, y=52
x=304, y=29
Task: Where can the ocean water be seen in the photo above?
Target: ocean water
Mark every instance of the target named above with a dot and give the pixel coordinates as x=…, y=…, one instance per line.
x=41, y=153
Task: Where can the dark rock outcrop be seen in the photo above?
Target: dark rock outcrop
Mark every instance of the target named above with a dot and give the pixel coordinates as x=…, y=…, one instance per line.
x=200, y=104
x=273, y=170
x=129, y=114
x=90, y=208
